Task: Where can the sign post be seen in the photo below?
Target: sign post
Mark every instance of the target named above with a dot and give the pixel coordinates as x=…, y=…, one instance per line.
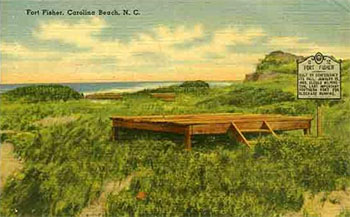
x=319, y=120
x=319, y=78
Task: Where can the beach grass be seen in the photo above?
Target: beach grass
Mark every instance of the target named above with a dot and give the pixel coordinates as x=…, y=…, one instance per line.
x=70, y=161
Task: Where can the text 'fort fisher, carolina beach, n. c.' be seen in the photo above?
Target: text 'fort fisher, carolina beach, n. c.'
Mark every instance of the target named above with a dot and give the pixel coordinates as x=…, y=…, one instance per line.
x=83, y=12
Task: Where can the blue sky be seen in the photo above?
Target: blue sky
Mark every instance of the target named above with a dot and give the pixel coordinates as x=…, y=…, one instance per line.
x=170, y=40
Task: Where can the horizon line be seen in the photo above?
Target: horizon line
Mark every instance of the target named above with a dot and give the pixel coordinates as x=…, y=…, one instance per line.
x=132, y=81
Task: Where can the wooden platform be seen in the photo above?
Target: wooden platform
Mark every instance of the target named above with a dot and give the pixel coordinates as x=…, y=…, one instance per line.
x=236, y=125
x=167, y=97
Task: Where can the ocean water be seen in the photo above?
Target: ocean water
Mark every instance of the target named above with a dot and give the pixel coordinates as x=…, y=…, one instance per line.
x=117, y=87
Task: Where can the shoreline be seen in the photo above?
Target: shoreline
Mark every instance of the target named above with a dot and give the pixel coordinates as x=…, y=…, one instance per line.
x=115, y=87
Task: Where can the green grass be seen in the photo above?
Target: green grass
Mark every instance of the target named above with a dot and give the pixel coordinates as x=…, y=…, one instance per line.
x=344, y=213
x=232, y=181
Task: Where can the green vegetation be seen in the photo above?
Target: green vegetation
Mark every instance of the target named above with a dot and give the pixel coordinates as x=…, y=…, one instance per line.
x=278, y=61
x=246, y=96
x=42, y=93
x=345, y=213
x=238, y=182
x=284, y=64
x=66, y=165
x=194, y=84
x=198, y=87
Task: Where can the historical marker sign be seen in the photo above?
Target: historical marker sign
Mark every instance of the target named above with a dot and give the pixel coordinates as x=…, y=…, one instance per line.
x=319, y=77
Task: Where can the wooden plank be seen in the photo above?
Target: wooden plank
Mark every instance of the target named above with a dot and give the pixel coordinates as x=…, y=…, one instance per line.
x=212, y=117
x=190, y=122
x=171, y=116
x=206, y=116
x=207, y=119
x=171, y=128
x=255, y=131
x=235, y=132
x=291, y=125
x=191, y=116
x=164, y=96
x=219, y=120
x=220, y=128
x=269, y=128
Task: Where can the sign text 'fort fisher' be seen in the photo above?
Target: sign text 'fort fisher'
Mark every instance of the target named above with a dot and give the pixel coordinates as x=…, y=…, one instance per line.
x=319, y=77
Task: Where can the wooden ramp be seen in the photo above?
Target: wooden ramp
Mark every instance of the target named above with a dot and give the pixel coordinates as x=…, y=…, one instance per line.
x=236, y=125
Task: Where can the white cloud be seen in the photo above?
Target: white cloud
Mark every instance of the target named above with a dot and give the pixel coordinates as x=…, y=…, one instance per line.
x=79, y=34
x=180, y=34
x=129, y=60
x=19, y=51
x=303, y=46
x=237, y=36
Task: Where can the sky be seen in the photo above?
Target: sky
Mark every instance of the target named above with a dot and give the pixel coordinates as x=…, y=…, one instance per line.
x=168, y=41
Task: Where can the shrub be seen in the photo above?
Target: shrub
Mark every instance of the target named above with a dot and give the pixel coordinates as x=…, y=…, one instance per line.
x=316, y=164
x=39, y=93
x=186, y=87
x=194, y=84
x=288, y=108
x=247, y=96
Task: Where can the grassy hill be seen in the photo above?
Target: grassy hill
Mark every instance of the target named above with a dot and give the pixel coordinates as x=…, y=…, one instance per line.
x=69, y=162
x=279, y=63
x=41, y=93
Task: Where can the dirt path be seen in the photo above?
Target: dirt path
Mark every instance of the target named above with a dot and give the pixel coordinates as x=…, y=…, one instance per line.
x=8, y=163
x=97, y=208
x=323, y=205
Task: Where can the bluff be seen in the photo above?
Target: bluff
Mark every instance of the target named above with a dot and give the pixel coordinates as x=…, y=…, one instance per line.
x=274, y=63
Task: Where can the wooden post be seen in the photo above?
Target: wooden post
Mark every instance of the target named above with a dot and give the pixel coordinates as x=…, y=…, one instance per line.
x=188, y=145
x=307, y=131
x=114, y=133
x=319, y=120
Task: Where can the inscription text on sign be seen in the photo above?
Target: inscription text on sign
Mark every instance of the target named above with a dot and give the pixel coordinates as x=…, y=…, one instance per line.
x=319, y=77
